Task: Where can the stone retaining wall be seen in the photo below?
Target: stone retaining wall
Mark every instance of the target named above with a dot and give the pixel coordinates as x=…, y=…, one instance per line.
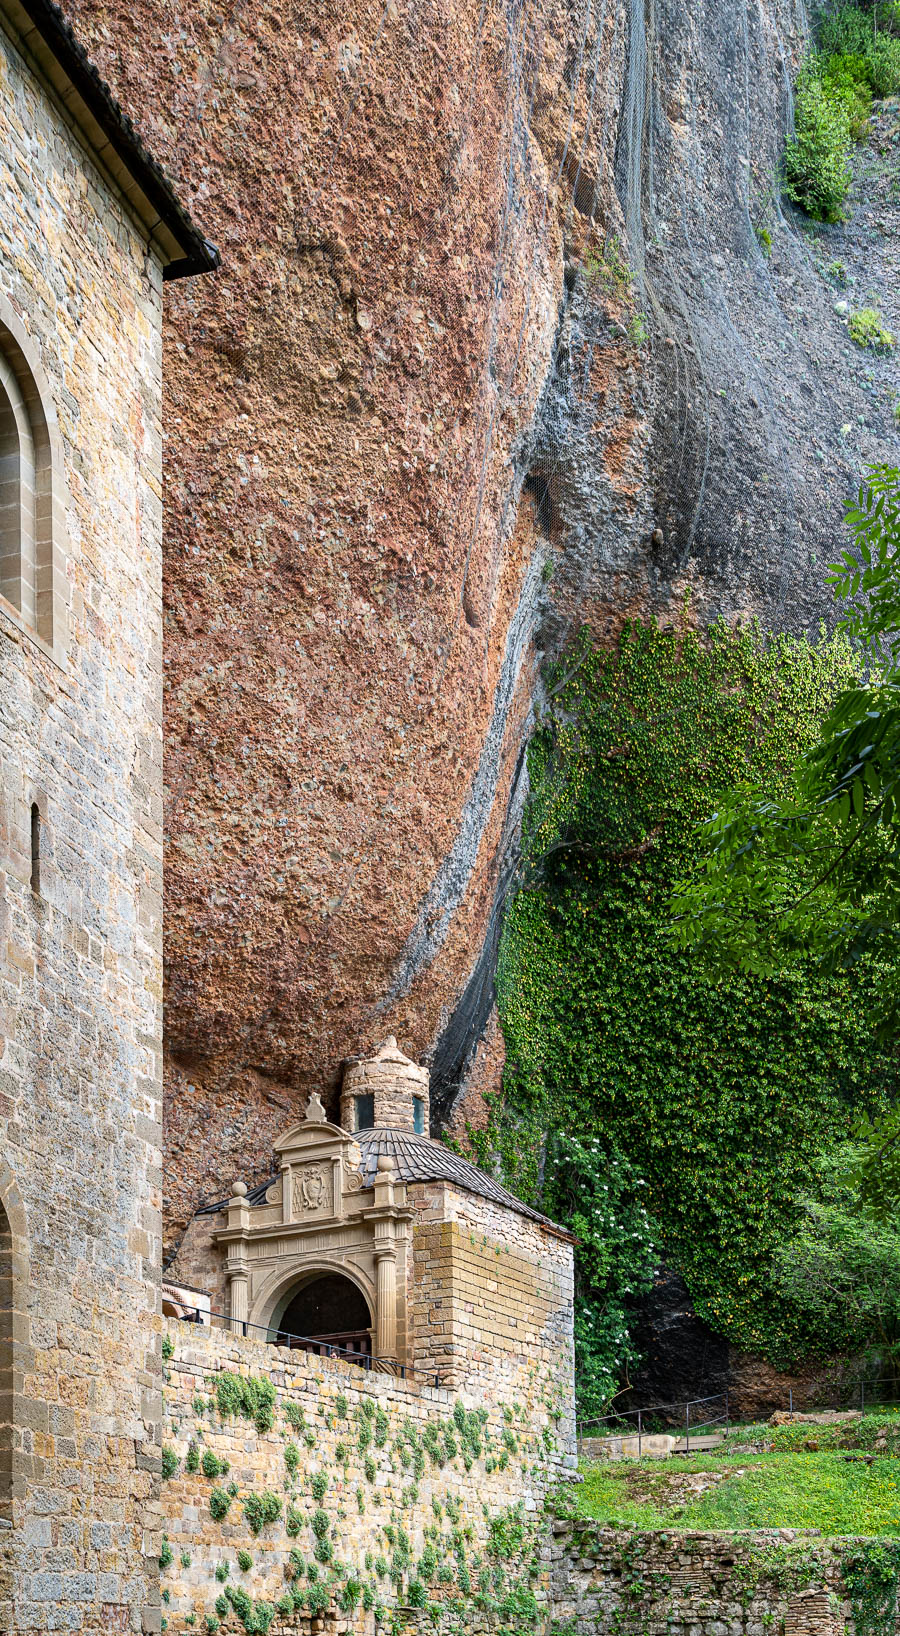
x=696, y=1584
x=415, y=1493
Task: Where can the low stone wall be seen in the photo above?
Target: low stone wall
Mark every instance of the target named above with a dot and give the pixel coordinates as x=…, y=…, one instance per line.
x=695, y=1584
x=382, y=1495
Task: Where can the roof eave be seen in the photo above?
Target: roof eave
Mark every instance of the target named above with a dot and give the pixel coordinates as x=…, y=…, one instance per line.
x=44, y=36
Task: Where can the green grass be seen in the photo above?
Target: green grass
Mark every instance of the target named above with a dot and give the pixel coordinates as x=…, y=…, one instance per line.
x=841, y=1434
x=782, y=1490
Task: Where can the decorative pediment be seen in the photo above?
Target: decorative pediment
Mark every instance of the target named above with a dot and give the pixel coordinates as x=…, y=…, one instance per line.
x=315, y=1158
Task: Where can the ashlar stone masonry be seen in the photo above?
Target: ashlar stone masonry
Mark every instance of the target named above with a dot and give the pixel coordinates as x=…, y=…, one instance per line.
x=88, y=231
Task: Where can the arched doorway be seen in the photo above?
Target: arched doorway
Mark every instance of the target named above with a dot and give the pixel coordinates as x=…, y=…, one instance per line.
x=327, y=1311
x=7, y=1432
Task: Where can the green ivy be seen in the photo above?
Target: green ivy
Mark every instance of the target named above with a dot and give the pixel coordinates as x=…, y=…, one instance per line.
x=720, y=1091
x=872, y=1576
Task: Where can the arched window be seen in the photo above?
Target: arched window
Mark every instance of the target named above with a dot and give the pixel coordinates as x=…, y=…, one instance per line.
x=30, y=487
x=7, y=1431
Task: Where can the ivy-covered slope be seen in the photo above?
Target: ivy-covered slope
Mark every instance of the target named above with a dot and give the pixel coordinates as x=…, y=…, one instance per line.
x=721, y=1091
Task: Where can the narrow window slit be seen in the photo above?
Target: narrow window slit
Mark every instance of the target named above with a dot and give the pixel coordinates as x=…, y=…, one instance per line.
x=35, y=849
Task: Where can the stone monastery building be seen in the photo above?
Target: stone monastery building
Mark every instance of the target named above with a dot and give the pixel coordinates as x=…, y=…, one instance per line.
x=374, y=1273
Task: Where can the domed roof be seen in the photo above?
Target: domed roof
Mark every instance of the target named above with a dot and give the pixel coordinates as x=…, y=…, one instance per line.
x=416, y=1159
x=419, y=1159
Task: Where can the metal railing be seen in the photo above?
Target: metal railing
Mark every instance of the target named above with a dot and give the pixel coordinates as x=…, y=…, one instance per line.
x=321, y=1347
x=634, y=1421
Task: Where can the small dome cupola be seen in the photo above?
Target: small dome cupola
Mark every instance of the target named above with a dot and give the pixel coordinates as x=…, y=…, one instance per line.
x=385, y=1090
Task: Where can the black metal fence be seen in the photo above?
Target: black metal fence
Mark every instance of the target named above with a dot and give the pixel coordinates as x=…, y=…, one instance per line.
x=700, y=1416
x=686, y=1420
x=304, y=1343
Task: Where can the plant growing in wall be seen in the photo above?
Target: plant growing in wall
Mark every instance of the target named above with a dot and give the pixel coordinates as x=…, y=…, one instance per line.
x=260, y=1509
x=219, y=1502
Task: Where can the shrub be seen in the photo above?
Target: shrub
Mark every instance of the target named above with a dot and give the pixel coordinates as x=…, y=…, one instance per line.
x=293, y=1522
x=294, y=1415
x=166, y=1557
x=370, y=1469
x=260, y=1509
x=170, y=1462
x=168, y=1348
x=319, y=1485
x=291, y=1457
x=320, y=1524
x=867, y=329
x=185, y=1559
x=192, y=1462
x=219, y=1503
x=210, y=1465
x=817, y=172
x=222, y=1572
x=244, y=1561
x=247, y=1396
x=382, y=1428
x=341, y=1406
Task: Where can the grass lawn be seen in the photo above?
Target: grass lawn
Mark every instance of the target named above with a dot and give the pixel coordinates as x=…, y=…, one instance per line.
x=783, y=1490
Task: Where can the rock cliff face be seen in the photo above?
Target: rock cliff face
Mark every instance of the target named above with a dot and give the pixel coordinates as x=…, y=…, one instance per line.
x=421, y=383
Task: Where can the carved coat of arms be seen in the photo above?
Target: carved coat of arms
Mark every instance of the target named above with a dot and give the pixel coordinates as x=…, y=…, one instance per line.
x=310, y=1189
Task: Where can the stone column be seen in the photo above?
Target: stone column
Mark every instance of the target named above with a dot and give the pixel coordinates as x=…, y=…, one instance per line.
x=386, y=1315
x=238, y=1289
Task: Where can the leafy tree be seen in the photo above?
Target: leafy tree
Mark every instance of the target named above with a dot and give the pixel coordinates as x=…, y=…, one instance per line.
x=842, y=1267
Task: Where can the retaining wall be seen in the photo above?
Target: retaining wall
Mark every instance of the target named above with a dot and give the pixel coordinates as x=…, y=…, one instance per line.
x=393, y=1492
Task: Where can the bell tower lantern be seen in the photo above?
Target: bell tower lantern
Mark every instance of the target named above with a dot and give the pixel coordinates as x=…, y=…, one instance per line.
x=385, y=1090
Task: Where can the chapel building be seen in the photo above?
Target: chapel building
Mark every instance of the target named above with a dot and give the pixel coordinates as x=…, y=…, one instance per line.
x=372, y=1241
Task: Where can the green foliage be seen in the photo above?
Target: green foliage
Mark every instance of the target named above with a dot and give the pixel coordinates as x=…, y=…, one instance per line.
x=168, y=1348
x=817, y=174
x=319, y=1486
x=248, y=1396
x=222, y=1572
x=341, y=1406
x=185, y=1559
x=293, y=1522
x=166, y=1555
x=291, y=1458
x=295, y=1416
x=370, y=1469
x=219, y=1501
x=320, y=1524
x=244, y=1561
x=719, y=1088
x=260, y=1509
x=867, y=328
x=857, y=58
x=842, y=1268
x=382, y=1428
x=596, y=1194
x=871, y=1576
x=211, y=1465
x=256, y=1617
x=192, y=1461
x=170, y=1462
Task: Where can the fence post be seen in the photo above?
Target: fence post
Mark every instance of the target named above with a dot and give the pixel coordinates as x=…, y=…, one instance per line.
x=687, y=1429
x=862, y=1396
x=639, y=1434
x=791, y=1399
x=726, y=1411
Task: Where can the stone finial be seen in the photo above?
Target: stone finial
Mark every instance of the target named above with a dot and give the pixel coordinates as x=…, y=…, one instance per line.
x=239, y=1190
x=315, y=1113
x=386, y=1162
x=386, y=1089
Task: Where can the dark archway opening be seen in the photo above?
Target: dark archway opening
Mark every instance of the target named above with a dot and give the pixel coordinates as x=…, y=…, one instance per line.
x=7, y=1430
x=330, y=1311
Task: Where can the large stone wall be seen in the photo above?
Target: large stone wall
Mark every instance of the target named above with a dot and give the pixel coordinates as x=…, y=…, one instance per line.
x=694, y=1584
x=80, y=959
x=426, y=1494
